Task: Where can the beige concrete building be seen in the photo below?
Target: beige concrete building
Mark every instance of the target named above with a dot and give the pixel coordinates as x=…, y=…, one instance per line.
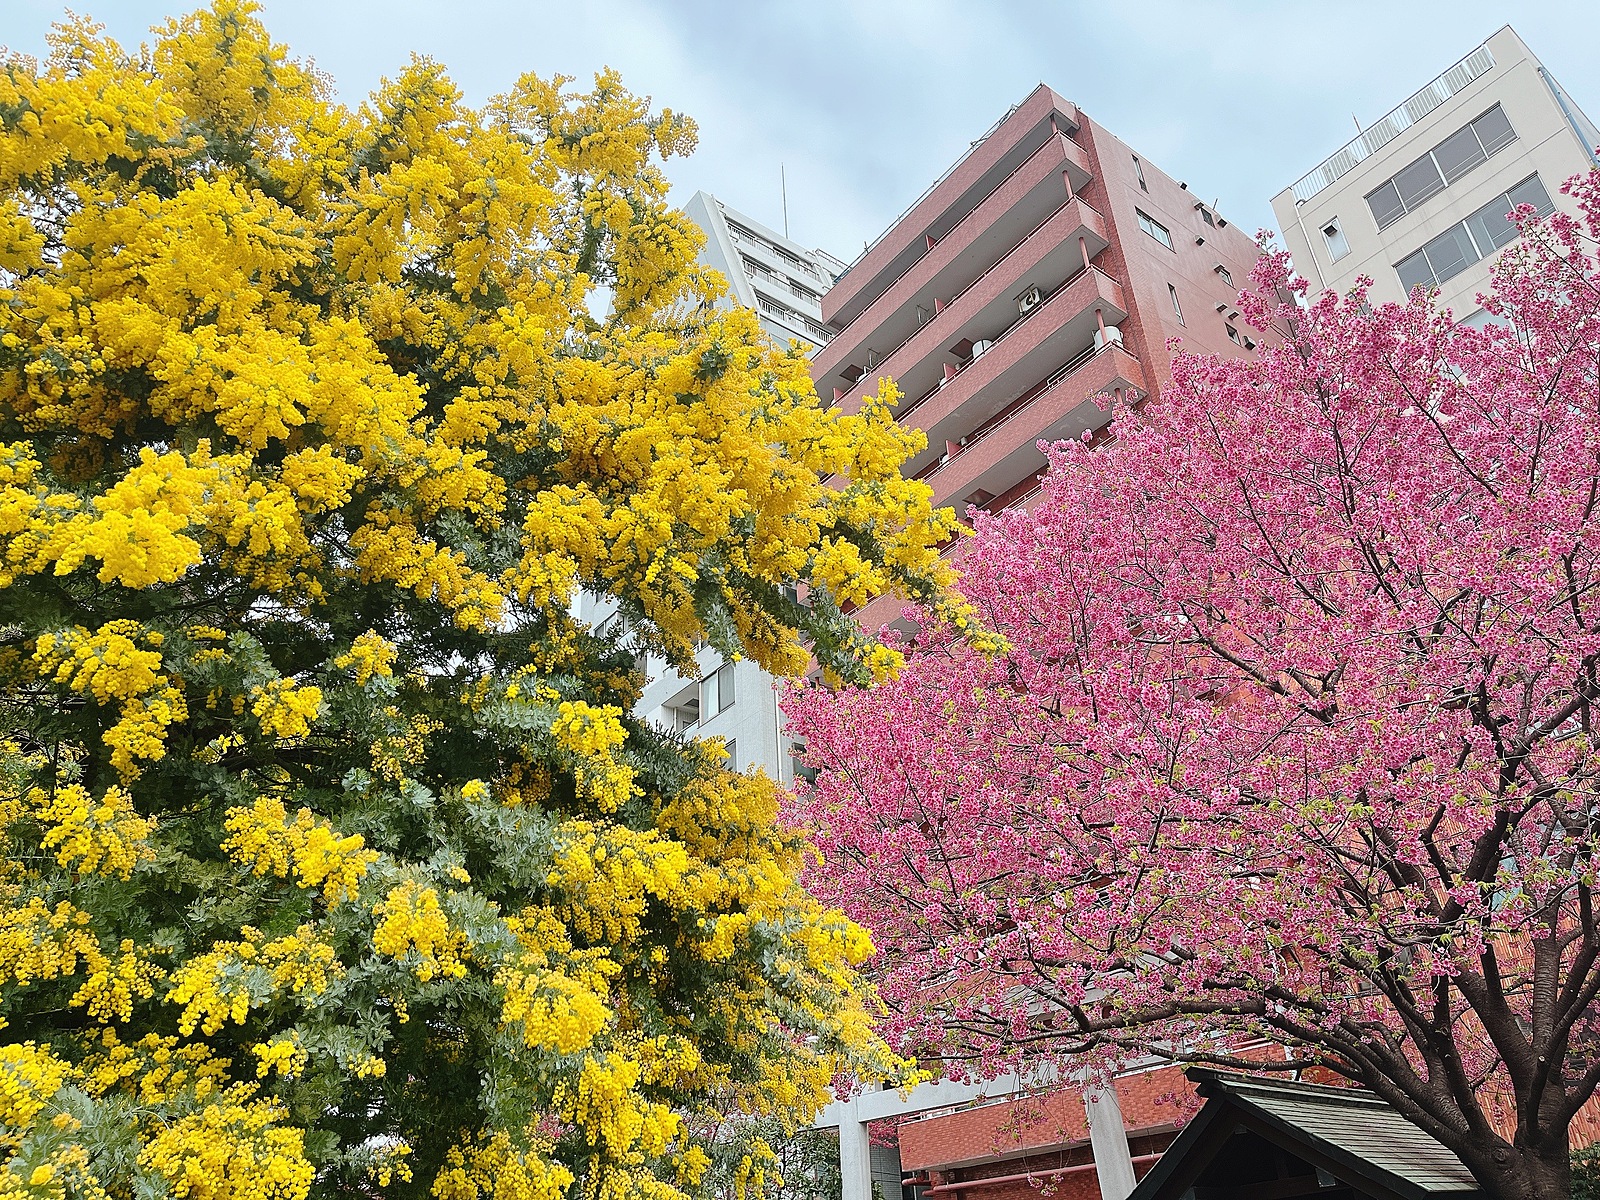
x=1420, y=197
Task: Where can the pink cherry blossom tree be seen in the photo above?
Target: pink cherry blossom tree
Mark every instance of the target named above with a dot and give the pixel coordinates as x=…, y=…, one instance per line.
x=1295, y=740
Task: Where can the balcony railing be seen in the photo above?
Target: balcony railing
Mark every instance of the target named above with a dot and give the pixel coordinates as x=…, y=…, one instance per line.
x=928, y=191
x=1004, y=418
x=951, y=303
x=941, y=384
x=783, y=256
x=927, y=250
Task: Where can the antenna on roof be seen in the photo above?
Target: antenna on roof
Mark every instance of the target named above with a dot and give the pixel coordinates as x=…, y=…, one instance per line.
x=1357, y=120
x=783, y=188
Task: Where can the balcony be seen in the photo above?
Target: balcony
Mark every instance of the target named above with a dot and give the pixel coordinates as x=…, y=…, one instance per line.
x=988, y=307
x=1058, y=331
x=1019, y=204
x=991, y=158
x=1004, y=451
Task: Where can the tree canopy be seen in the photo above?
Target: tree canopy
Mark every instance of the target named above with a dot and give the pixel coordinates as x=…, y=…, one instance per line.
x=333, y=860
x=1295, y=740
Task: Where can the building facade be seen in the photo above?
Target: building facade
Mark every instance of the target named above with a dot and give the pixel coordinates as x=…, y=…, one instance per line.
x=1420, y=198
x=766, y=271
x=1051, y=264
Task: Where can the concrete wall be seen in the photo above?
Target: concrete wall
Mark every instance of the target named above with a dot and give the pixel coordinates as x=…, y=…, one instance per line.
x=1146, y=267
x=752, y=722
x=1546, y=144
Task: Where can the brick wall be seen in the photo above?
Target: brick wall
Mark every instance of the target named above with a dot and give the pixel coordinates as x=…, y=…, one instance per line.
x=1050, y=1130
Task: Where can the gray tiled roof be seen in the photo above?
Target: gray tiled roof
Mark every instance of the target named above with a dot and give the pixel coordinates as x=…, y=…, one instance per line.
x=1357, y=1122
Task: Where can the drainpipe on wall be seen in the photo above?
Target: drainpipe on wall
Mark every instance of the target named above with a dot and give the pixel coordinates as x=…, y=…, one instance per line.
x=1566, y=111
x=1310, y=248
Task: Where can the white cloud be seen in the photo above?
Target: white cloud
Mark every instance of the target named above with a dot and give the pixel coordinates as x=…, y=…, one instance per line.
x=866, y=101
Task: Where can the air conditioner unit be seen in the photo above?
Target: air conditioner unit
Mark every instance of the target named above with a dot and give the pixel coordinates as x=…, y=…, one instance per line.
x=1029, y=300
x=980, y=348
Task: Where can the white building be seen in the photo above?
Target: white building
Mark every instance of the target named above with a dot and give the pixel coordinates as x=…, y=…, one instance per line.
x=734, y=701
x=1420, y=197
x=766, y=271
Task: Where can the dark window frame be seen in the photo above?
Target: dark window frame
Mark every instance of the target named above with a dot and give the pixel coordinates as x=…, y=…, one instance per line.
x=1384, y=213
x=1482, y=238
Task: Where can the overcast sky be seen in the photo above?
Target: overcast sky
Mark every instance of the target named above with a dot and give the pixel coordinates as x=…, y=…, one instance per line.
x=865, y=102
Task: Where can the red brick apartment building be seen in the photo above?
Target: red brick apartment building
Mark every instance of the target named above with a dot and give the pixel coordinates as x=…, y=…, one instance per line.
x=1049, y=264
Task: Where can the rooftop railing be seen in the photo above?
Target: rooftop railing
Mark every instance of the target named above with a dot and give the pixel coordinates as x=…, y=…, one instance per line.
x=1393, y=124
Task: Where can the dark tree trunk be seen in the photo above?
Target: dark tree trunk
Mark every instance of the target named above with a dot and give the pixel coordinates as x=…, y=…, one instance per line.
x=1511, y=1172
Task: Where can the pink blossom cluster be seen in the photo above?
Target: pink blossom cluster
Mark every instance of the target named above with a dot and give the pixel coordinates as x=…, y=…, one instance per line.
x=1294, y=738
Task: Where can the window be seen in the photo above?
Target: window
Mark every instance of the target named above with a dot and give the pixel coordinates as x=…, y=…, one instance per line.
x=1494, y=130
x=1458, y=154
x=1474, y=239
x=1233, y=335
x=1205, y=215
x=1224, y=274
x=716, y=691
x=1333, y=238
x=731, y=749
x=1385, y=205
x=1138, y=169
x=1447, y=162
x=1418, y=181
x=1177, y=309
x=1154, y=228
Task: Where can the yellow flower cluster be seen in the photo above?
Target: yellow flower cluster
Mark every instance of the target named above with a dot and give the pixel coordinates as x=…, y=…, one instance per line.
x=495, y=1169
x=264, y=838
x=65, y=1173
x=217, y=986
x=108, y=666
x=38, y=942
x=154, y=1070
x=235, y=1148
x=105, y=665
x=368, y=655
x=285, y=708
x=30, y=1076
x=607, y=1105
x=750, y=1178
x=413, y=927
x=389, y=547
x=113, y=985
x=611, y=874
x=107, y=836
x=555, y=1011
x=392, y=754
x=592, y=734
x=284, y=1055
x=389, y=1164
